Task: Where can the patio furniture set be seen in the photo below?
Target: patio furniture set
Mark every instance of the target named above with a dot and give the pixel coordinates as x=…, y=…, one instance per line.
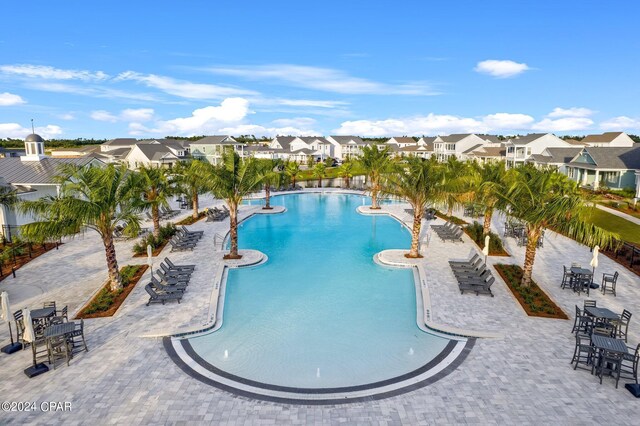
x=518, y=230
x=580, y=280
x=473, y=275
x=171, y=283
x=601, y=343
x=184, y=239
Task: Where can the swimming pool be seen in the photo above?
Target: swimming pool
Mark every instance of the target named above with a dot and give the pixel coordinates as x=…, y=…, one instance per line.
x=320, y=314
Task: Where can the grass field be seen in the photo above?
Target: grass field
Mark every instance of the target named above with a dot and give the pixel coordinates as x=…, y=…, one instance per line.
x=628, y=231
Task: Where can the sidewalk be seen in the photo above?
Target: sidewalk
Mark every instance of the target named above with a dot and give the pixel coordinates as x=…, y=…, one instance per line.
x=619, y=214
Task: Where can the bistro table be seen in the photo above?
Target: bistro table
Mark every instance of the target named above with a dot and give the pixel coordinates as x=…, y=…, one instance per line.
x=602, y=313
x=39, y=314
x=604, y=343
x=578, y=272
x=56, y=330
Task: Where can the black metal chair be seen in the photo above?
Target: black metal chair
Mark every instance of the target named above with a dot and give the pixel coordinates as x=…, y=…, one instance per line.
x=583, y=353
x=582, y=324
x=566, y=277
x=623, y=322
x=629, y=365
x=609, y=363
x=64, y=312
x=589, y=304
x=58, y=348
x=76, y=339
x=17, y=316
x=609, y=283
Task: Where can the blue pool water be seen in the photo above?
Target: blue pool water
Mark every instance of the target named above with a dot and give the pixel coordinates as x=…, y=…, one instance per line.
x=320, y=313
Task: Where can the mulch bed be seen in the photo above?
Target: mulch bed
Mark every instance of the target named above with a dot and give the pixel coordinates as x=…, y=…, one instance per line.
x=119, y=299
x=156, y=251
x=23, y=259
x=503, y=253
x=453, y=219
x=189, y=220
x=533, y=300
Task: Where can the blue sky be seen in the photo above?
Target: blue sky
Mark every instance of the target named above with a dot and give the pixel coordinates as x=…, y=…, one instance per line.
x=372, y=68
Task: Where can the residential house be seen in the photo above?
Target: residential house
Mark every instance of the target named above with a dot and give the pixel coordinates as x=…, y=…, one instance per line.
x=211, y=148
x=619, y=139
x=423, y=148
x=555, y=158
x=151, y=154
x=520, y=148
x=32, y=176
x=301, y=148
x=613, y=167
x=345, y=147
x=489, y=153
x=457, y=145
x=401, y=142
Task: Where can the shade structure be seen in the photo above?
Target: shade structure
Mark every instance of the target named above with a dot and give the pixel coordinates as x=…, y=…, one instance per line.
x=594, y=259
x=485, y=250
x=149, y=255
x=29, y=332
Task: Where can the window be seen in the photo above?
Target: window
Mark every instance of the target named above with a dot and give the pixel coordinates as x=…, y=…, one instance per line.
x=40, y=148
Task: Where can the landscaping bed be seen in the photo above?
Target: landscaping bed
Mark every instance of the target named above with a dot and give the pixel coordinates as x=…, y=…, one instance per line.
x=452, y=219
x=533, y=299
x=107, y=302
x=189, y=220
x=17, y=255
x=157, y=244
x=475, y=232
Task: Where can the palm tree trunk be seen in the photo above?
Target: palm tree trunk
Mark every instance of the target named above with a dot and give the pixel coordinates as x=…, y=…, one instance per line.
x=348, y=182
x=415, y=233
x=488, y=213
x=533, y=235
x=233, y=232
x=374, y=194
x=155, y=213
x=195, y=202
x=319, y=182
x=112, y=262
x=267, y=191
x=294, y=180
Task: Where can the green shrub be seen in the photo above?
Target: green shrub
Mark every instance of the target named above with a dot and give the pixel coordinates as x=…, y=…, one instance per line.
x=475, y=231
x=166, y=232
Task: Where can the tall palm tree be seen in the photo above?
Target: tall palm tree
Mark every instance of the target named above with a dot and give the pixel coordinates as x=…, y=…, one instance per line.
x=490, y=184
x=190, y=178
x=155, y=189
x=376, y=162
x=419, y=182
x=292, y=170
x=90, y=197
x=232, y=180
x=548, y=199
x=346, y=172
x=320, y=171
x=458, y=183
x=270, y=171
x=7, y=199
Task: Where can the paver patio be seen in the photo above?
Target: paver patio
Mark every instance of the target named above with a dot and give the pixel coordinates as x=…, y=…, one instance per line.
x=126, y=378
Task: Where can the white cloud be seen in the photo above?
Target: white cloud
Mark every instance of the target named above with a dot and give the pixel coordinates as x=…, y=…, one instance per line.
x=205, y=120
x=300, y=102
x=563, y=124
x=102, y=115
x=9, y=99
x=16, y=131
x=621, y=123
x=67, y=116
x=501, y=68
x=140, y=114
x=507, y=121
x=325, y=79
x=183, y=89
x=429, y=124
x=570, y=112
x=94, y=91
x=51, y=73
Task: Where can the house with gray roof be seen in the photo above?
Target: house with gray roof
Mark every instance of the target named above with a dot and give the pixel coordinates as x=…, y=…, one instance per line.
x=554, y=158
x=150, y=155
x=613, y=167
x=32, y=176
x=211, y=148
x=620, y=139
x=520, y=148
x=458, y=145
x=345, y=147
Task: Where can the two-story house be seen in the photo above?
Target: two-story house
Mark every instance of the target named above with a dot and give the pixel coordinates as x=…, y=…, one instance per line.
x=521, y=148
x=345, y=147
x=613, y=167
x=211, y=148
x=456, y=145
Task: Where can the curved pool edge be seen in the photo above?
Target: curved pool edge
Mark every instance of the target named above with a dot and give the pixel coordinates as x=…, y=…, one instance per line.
x=447, y=361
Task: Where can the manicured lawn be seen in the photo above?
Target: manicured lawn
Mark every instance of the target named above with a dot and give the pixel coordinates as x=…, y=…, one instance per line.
x=628, y=231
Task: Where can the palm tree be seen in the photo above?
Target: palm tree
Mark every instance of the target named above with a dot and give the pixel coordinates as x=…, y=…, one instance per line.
x=190, y=178
x=232, y=180
x=419, y=182
x=346, y=172
x=156, y=189
x=7, y=198
x=548, y=199
x=90, y=197
x=292, y=170
x=490, y=184
x=458, y=183
x=376, y=162
x=320, y=171
x=270, y=171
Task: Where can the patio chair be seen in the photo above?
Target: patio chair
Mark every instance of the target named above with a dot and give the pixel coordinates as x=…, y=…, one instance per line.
x=167, y=288
x=609, y=283
x=49, y=305
x=629, y=365
x=589, y=304
x=17, y=316
x=178, y=267
x=609, y=364
x=479, y=288
x=567, y=276
x=58, y=348
x=175, y=280
x=583, y=353
x=582, y=283
x=155, y=297
x=63, y=313
x=186, y=231
x=174, y=274
x=582, y=324
x=77, y=340
x=472, y=260
x=477, y=263
x=623, y=323
x=177, y=246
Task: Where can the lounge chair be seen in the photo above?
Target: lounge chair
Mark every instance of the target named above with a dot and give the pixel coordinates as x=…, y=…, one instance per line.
x=172, y=280
x=175, y=267
x=174, y=274
x=186, y=231
x=475, y=256
x=484, y=288
x=181, y=246
x=168, y=288
x=160, y=297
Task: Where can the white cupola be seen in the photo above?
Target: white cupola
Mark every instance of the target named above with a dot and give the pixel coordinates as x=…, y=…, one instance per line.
x=34, y=148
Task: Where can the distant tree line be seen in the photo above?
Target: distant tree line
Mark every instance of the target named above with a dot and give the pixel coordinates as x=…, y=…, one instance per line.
x=53, y=143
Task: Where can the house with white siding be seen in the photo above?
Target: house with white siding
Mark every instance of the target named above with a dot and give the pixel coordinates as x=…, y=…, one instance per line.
x=345, y=147
x=150, y=155
x=554, y=158
x=619, y=139
x=521, y=148
x=456, y=145
x=401, y=142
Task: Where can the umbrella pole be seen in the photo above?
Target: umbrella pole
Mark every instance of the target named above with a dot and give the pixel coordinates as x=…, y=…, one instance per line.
x=37, y=368
x=13, y=346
